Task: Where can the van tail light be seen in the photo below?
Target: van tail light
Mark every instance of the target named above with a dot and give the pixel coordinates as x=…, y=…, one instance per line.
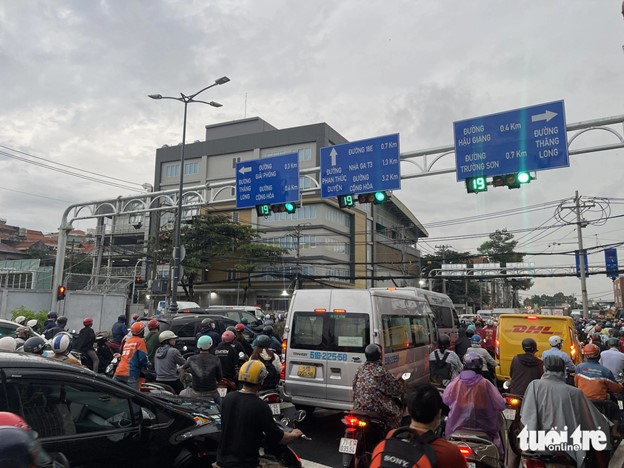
x=283, y=372
x=497, y=349
x=465, y=450
x=531, y=317
x=573, y=351
x=351, y=420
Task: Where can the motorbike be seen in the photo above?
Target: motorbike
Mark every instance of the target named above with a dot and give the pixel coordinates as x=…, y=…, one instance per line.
x=282, y=456
x=225, y=386
x=279, y=407
x=105, y=350
x=364, y=430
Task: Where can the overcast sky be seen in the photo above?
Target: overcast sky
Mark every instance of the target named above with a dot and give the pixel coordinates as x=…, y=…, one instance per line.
x=75, y=76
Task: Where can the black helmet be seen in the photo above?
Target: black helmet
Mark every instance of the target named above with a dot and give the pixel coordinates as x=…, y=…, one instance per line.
x=121, y=318
x=62, y=320
x=469, y=332
x=263, y=341
x=613, y=342
x=267, y=330
x=52, y=315
x=206, y=322
x=372, y=352
x=444, y=341
x=18, y=447
x=529, y=345
x=34, y=345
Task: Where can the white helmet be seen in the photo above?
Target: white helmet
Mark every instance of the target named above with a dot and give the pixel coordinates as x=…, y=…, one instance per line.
x=7, y=343
x=20, y=319
x=32, y=323
x=166, y=335
x=555, y=340
x=61, y=343
x=490, y=322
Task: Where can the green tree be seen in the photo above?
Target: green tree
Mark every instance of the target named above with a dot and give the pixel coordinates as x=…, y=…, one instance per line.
x=214, y=239
x=500, y=249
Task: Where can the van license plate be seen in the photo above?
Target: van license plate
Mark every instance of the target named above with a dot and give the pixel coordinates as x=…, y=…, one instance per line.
x=275, y=408
x=509, y=414
x=222, y=391
x=471, y=465
x=347, y=445
x=307, y=371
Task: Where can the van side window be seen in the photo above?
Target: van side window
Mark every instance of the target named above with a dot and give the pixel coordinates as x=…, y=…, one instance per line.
x=405, y=331
x=443, y=315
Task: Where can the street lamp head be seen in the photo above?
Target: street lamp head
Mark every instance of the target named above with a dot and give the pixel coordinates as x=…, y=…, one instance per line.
x=215, y=104
x=222, y=80
x=155, y=96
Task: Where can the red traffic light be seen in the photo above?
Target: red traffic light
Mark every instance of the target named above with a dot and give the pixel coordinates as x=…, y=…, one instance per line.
x=60, y=292
x=138, y=280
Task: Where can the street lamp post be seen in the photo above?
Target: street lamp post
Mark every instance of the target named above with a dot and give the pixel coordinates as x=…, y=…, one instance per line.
x=134, y=280
x=173, y=307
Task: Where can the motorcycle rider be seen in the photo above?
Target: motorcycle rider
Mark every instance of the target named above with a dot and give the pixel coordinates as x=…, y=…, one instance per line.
x=208, y=328
x=205, y=368
x=489, y=364
x=247, y=422
x=549, y=402
x=119, y=330
x=444, y=364
x=37, y=345
x=271, y=361
x=425, y=407
x=21, y=335
x=50, y=322
x=597, y=381
x=489, y=334
x=462, y=343
x=240, y=328
x=276, y=344
x=61, y=322
x=474, y=402
x=133, y=357
x=85, y=341
x=167, y=360
x=556, y=343
x=375, y=388
x=525, y=368
x=228, y=355
x=612, y=358
x=151, y=341
x=62, y=345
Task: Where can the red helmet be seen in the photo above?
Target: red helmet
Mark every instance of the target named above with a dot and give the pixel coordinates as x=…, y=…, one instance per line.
x=137, y=328
x=591, y=350
x=152, y=324
x=135, y=316
x=228, y=336
x=239, y=327
x=10, y=419
x=87, y=322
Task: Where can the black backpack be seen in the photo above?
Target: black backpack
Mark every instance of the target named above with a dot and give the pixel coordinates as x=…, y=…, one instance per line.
x=439, y=370
x=404, y=447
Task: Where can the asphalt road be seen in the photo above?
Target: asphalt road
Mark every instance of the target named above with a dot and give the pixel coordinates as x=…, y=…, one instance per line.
x=325, y=429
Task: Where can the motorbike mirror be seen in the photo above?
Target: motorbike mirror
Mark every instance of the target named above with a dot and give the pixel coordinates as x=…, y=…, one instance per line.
x=406, y=375
x=300, y=415
x=285, y=422
x=184, y=348
x=507, y=384
x=241, y=355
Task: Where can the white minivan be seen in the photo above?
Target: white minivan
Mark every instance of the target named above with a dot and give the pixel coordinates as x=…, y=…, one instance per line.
x=327, y=330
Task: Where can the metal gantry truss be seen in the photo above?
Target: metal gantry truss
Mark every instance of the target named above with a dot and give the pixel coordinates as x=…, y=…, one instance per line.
x=197, y=196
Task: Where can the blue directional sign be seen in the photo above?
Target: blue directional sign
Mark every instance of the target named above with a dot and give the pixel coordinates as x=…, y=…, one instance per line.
x=611, y=263
x=271, y=180
x=364, y=166
x=528, y=139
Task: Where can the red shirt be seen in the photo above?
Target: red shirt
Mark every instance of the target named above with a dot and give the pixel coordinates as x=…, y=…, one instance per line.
x=447, y=454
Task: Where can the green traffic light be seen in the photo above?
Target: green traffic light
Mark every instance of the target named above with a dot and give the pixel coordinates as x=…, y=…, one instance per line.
x=523, y=177
x=290, y=207
x=380, y=197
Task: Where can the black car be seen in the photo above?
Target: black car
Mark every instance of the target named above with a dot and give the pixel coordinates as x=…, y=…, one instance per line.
x=187, y=326
x=97, y=422
x=242, y=314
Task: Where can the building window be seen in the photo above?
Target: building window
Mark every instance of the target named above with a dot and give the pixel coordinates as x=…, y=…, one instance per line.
x=305, y=154
x=191, y=168
x=235, y=161
x=338, y=217
x=172, y=170
x=303, y=212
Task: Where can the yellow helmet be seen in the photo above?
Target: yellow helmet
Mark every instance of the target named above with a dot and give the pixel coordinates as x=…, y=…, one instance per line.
x=252, y=372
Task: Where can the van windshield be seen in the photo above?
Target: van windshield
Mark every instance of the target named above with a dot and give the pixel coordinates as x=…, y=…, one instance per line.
x=349, y=333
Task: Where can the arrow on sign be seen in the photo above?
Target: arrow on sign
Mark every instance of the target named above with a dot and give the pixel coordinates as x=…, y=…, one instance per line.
x=547, y=116
x=244, y=170
x=333, y=156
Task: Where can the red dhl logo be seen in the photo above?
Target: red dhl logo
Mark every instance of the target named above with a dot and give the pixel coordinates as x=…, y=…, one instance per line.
x=537, y=329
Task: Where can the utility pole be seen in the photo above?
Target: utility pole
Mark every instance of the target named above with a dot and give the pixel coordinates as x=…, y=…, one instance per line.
x=297, y=235
x=579, y=225
x=443, y=248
